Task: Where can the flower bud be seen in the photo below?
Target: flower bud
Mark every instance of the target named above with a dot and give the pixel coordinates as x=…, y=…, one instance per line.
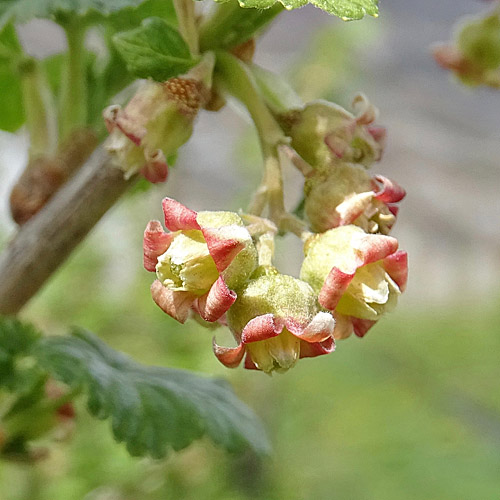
x=475, y=57
x=156, y=122
x=347, y=194
x=200, y=262
x=323, y=132
x=276, y=320
x=359, y=276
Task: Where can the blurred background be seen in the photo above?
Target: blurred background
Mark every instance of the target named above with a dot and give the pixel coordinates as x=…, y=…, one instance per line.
x=412, y=410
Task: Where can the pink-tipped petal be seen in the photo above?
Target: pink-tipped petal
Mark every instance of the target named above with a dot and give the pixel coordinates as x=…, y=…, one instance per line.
x=343, y=326
x=387, y=191
x=333, y=288
x=178, y=217
x=311, y=350
x=374, y=247
x=261, y=328
x=319, y=329
x=156, y=168
x=229, y=356
x=361, y=326
x=396, y=266
x=214, y=304
x=222, y=250
x=175, y=303
x=156, y=242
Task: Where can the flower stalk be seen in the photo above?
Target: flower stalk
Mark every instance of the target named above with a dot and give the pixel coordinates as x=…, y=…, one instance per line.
x=236, y=78
x=74, y=98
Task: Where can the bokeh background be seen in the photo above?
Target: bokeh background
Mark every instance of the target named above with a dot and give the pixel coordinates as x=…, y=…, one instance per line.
x=412, y=411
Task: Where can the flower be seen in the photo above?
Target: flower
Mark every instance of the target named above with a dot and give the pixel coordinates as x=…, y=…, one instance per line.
x=200, y=262
x=323, y=132
x=357, y=276
x=276, y=320
x=346, y=194
x=153, y=125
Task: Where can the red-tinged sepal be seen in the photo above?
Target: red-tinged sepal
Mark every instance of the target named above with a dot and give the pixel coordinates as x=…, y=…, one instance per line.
x=178, y=217
x=222, y=249
x=386, y=190
x=229, y=356
x=155, y=170
x=396, y=266
x=214, y=304
x=311, y=350
x=176, y=304
x=156, y=242
x=334, y=287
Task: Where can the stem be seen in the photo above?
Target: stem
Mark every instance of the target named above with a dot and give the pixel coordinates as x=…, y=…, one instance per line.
x=235, y=77
x=186, y=17
x=230, y=25
x=74, y=99
x=47, y=239
x=41, y=120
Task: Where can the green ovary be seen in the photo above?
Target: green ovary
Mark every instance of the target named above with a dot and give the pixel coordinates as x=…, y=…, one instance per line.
x=187, y=264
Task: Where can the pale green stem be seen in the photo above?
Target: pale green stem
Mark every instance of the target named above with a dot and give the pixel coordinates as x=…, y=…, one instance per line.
x=73, y=105
x=265, y=249
x=41, y=120
x=185, y=10
x=238, y=81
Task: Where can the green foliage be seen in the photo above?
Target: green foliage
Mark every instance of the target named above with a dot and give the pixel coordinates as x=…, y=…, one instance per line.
x=16, y=340
x=151, y=408
x=347, y=10
x=11, y=109
x=24, y=10
x=155, y=49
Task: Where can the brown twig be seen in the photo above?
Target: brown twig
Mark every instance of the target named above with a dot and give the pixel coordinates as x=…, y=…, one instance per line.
x=47, y=239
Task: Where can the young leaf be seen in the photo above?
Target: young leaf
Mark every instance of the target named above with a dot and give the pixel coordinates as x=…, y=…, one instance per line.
x=347, y=10
x=155, y=49
x=151, y=408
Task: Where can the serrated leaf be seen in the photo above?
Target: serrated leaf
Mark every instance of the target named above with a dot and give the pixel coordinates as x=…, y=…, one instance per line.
x=154, y=50
x=24, y=10
x=347, y=10
x=151, y=408
x=16, y=339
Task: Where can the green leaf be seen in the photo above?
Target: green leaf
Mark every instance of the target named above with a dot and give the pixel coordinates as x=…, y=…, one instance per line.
x=10, y=48
x=347, y=10
x=16, y=340
x=131, y=17
x=155, y=49
x=24, y=10
x=151, y=408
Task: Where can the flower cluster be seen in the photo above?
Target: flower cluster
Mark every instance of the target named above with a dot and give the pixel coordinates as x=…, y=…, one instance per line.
x=219, y=265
